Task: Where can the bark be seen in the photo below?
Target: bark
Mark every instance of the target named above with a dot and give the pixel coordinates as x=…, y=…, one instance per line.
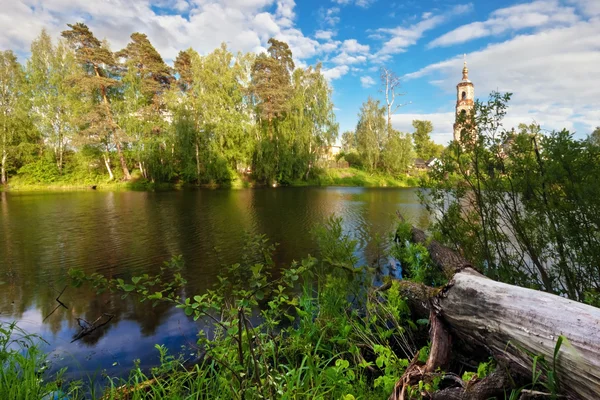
x=107, y=163
x=510, y=323
x=126, y=174
x=198, y=161
x=3, y=179
x=515, y=324
x=442, y=256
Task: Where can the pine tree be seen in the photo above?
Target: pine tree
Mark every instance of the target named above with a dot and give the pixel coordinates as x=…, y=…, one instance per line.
x=99, y=82
x=271, y=81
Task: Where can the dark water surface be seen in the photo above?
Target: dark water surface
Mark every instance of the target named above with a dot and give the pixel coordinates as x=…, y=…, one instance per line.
x=120, y=234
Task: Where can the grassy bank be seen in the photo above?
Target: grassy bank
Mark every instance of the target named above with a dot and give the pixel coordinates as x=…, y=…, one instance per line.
x=330, y=177
x=359, y=178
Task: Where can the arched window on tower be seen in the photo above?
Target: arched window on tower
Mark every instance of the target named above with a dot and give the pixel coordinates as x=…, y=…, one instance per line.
x=463, y=113
x=464, y=95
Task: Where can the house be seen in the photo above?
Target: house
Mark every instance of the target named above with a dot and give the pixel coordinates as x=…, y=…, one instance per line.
x=432, y=162
x=420, y=164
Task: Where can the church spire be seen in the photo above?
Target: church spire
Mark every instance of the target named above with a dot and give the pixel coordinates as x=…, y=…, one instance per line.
x=465, y=69
x=465, y=101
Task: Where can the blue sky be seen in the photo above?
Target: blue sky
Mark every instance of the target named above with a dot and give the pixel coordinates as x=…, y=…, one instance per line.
x=546, y=52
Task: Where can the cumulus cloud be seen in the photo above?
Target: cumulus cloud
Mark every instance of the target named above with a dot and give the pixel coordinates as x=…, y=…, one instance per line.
x=367, y=81
x=352, y=46
x=539, y=14
x=402, y=37
x=336, y=72
x=442, y=124
x=244, y=25
x=551, y=73
x=346, y=59
x=324, y=35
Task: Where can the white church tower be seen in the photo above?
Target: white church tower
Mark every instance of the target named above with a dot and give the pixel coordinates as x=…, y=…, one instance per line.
x=465, y=97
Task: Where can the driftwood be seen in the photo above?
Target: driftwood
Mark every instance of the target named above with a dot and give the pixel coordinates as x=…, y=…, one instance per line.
x=86, y=328
x=510, y=323
x=60, y=304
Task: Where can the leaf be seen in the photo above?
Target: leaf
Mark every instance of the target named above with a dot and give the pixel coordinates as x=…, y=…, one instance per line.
x=260, y=295
x=136, y=279
x=128, y=287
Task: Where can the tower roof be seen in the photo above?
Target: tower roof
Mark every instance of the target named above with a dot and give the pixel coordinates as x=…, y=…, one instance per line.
x=465, y=70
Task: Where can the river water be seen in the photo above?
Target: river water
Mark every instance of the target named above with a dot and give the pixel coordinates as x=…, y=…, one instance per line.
x=120, y=234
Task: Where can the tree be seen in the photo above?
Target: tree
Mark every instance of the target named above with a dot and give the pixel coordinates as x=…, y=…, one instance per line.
x=99, y=82
x=12, y=109
x=391, y=82
x=425, y=148
x=309, y=128
x=371, y=133
x=145, y=80
x=271, y=82
x=155, y=75
x=271, y=88
x=348, y=141
x=54, y=98
x=595, y=136
x=398, y=153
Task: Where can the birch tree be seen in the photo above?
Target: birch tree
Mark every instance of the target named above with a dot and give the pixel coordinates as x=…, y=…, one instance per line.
x=54, y=98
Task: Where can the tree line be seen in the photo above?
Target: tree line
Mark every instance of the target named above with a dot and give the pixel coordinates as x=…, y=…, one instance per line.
x=79, y=109
x=376, y=146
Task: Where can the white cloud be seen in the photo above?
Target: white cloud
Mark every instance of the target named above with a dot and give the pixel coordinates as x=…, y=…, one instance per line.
x=442, y=124
x=553, y=74
x=539, y=14
x=245, y=25
x=346, y=59
x=359, y=3
x=324, y=35
x=401, y=37
x=352, y=46
x=330, y=15
x=336, y=72
x=367, y=81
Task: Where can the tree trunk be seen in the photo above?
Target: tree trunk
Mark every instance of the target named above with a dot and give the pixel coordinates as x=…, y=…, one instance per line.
x=3, y=178
x=126, y=174
x=514, y=324
x=511, y=323
x=107, y=163
x=198, y=161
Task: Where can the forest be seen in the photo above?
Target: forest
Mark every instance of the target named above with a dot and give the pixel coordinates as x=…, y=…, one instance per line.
x=78, y=112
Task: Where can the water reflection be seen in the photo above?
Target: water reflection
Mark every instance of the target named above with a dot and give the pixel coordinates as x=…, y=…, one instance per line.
x=124, y=234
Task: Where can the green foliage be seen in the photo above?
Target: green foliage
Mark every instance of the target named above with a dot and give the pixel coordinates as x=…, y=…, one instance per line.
x=320, y=335
x=220, y=118
x=521, y=204
x=415, y=259
x=24, y=368
x=425, y=148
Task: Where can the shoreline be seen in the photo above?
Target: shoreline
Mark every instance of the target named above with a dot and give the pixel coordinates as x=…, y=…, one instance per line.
x=350, y=177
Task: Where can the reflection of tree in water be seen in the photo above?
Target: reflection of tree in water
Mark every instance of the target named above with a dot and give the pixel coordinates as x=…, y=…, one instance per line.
x=147, y=317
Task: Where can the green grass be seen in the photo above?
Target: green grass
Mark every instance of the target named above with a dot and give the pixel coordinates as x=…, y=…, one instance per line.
x=23, y=367
x=359, y=178
x=329, y=177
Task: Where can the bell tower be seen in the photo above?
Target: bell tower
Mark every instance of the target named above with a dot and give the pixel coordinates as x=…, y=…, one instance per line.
x=465, y=96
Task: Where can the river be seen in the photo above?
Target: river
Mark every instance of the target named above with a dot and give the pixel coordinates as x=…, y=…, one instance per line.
x=117, y=234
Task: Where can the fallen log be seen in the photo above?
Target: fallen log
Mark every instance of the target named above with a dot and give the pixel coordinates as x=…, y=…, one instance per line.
x=512, y=324
x=516, y=324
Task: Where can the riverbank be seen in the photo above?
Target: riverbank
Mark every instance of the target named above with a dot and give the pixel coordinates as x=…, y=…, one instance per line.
x=349, y=177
